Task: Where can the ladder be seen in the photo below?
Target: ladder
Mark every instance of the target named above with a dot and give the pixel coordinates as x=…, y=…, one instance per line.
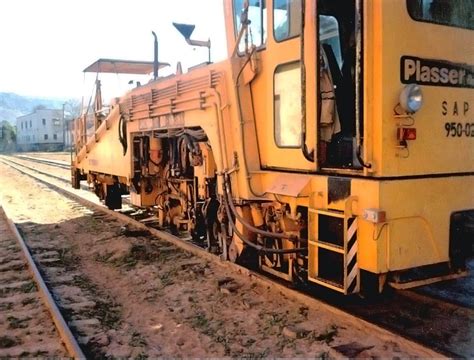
x=332, y=248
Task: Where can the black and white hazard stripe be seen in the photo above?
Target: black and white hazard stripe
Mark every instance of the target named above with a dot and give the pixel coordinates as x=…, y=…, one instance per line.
x=352, y=267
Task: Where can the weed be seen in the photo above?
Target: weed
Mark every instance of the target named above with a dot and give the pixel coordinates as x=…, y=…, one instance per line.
x=128, y=261
x=276, y=319
x=7, y=342
x=103, y=257
x=141, y=356
x=6, y=306
x=137, y=340
x=200, y=321
x=28, y=301
x=84, y=283
x=328, y=335
x=15, y=323
x=108, y=313
x=303, y=311
x=38, y=354
x=28, y=287
x=66, y=258
x=258, y=355
x=167, y=278
x=105, y=309
x=323, y=356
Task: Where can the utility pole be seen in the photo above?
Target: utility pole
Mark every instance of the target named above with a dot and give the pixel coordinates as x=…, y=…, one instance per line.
x=64, y=129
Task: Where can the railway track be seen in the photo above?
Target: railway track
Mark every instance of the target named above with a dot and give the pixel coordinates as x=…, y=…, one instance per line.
x=421, y=320
x=32, y=325
x=55, y=163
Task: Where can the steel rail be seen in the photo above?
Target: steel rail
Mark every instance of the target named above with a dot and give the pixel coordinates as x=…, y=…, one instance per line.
x=67, y=181
x=64, y=332
x=56, y=163
x=294, y=294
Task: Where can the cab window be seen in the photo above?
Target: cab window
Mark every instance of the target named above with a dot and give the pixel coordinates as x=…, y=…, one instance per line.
x=287, y=105
x=457, y=13
x=257, y=15
x=286, y=19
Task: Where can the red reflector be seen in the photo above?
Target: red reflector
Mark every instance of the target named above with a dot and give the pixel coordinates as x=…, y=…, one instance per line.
x=406, y=134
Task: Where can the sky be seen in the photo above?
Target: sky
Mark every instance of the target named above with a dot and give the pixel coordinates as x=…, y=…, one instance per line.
x=46, y=44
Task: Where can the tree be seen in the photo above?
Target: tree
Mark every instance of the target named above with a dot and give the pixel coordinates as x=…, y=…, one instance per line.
x=72, y=109
x=39, y=107
x=7, y=137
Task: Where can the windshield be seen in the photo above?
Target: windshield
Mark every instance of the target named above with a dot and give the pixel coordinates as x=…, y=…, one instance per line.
x=457, y=13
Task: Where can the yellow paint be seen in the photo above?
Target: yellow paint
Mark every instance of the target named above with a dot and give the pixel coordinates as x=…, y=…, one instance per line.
x=242, y=137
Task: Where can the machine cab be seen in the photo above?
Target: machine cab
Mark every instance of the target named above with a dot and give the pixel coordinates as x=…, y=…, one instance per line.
x=305, y=95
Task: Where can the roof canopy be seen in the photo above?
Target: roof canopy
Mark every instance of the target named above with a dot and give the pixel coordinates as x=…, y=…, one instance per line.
x=116, y=66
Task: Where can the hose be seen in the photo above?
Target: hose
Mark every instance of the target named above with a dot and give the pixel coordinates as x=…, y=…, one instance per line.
x=229, y=205
x=257, y=247
x=122, y=129
x=251, y=227
x=241, y=120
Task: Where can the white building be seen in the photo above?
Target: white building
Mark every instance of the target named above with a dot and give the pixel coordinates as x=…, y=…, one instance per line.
x=43, y=130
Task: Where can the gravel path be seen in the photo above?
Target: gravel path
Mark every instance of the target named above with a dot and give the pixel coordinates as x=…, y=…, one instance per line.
x=129, y=294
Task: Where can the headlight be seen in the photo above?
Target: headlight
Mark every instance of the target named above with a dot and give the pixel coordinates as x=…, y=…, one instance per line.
x=411, y=98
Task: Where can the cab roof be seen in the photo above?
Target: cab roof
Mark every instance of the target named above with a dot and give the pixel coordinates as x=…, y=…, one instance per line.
x=117, y=66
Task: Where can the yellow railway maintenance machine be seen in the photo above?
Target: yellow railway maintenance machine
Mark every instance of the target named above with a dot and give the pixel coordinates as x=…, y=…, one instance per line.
x=334, y=146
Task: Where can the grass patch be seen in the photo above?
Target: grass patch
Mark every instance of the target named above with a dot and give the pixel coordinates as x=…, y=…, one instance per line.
x=141, y=356
x=257, y=355
x=167, y=278
x=137, y=340
x=105, y=309
x=328, y=335
x=108, y=313
x=84, y=283
x=6, y=306
x=29, y=301
x=28, y=287
x=104, y=258
x=8, y=342
x=200, y=321
x=15, y=323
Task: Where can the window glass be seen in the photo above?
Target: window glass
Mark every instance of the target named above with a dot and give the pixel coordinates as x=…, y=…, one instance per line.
x=329, y=34
x=258, y=22
x=286, y=19
x=458, y=13
x=287, y=105
x=46, y=136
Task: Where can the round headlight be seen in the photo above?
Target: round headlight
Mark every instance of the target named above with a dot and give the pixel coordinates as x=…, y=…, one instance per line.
x=411, y=98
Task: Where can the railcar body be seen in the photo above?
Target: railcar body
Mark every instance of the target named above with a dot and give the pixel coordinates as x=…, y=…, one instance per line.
x=334, y=145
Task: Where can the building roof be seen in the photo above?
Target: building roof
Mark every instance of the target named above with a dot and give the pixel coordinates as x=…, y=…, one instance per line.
x=58, y=111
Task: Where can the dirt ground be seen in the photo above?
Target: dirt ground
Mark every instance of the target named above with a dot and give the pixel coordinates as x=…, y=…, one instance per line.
x=167, y=302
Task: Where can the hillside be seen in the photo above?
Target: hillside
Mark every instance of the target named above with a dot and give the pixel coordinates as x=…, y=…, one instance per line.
x=13, y=105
